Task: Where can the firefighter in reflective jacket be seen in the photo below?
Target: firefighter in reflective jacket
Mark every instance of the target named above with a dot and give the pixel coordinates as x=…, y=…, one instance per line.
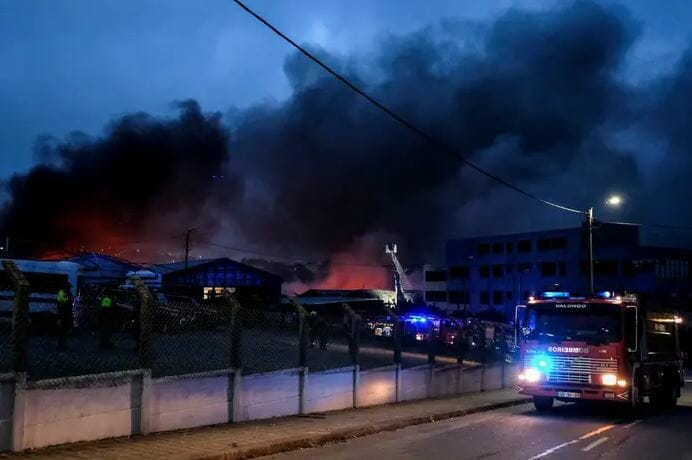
x=65, y=316
x=105, y=320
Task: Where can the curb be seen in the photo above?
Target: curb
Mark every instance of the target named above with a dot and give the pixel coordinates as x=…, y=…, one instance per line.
x=357, y=432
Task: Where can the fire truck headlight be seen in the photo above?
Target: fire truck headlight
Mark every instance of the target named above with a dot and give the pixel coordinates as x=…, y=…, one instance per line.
x=609, y=379
x=622, y=383
x=531, y=375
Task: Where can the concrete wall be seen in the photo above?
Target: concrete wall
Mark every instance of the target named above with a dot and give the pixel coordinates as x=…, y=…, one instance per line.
x=493, y=377
x=330, y=390
x=6, y=403
x=268, y=395
x=189, y=402
x=415, y=382
x=446, y=380
x=377, y=386
x=471, y=380
x=120, y=404
x=103, y=409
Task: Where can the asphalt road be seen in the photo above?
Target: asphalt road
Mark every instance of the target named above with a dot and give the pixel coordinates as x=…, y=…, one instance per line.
x=569, y=432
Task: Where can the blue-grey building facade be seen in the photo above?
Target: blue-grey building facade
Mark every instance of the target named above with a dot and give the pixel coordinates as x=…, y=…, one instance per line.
x=498, y=272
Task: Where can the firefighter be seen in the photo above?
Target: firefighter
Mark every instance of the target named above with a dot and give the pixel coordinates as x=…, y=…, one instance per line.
x=65, y=316
x=105, y=314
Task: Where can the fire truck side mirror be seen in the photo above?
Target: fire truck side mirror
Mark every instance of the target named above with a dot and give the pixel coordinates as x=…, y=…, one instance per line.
x=631, y=328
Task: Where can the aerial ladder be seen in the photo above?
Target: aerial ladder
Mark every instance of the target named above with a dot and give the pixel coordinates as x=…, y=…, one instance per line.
x=402, y=285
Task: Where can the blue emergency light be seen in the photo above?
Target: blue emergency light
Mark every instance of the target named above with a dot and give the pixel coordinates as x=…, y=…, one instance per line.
x=555, y=294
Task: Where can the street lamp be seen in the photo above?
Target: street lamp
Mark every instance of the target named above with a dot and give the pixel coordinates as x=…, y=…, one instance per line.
x=613, y=200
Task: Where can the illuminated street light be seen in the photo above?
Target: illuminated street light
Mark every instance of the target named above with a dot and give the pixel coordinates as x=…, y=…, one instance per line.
x=614, y=200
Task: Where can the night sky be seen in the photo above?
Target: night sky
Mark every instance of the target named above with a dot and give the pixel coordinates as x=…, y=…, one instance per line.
x=572, y=101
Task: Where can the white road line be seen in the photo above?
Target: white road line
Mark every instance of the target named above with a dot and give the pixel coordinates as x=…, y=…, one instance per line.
x=574, y=441
x=630, y=425
x=595, y=443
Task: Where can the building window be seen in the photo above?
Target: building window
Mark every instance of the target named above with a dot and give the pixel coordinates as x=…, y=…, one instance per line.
x=551, y=244
x=484, y=298
x=458, y=272
x=434, y=276
x=498, y=297
x=675, y=269
x=484, y=271
x=436, y=296
x=497, y=271
x=548, y=269
x=509, y=269
x=562, y=269
x=524, y=246
x=497, y=248
x=509, y=295
x=510, y=247
x=483, y=249
x=524, y=267
x=458, y=297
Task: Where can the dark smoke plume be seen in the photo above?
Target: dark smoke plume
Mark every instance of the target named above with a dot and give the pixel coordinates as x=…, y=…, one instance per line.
x=539, y=98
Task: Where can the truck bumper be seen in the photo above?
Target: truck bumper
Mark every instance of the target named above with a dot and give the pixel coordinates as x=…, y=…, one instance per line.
x=578, y=393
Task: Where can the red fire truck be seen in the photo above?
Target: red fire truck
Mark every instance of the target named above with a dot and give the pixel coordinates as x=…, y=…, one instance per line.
x=598, y=348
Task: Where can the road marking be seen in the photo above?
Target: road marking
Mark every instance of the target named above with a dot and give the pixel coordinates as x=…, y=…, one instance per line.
x=591, y=434
x=688, y=381
x=630, y=425
x=597, y=442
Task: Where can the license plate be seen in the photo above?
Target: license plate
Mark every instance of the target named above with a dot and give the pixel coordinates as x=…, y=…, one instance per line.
x=568, y=394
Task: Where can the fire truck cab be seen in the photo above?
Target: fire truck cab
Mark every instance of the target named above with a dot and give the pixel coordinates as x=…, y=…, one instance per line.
x=598, y=348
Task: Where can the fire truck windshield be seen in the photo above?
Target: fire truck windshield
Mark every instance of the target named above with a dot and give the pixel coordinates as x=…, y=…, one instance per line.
x=596, y=324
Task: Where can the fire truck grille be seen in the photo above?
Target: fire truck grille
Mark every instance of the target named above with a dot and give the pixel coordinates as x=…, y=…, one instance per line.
x=575, y=369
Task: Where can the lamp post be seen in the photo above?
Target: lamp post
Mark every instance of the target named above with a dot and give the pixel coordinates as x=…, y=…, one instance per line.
x=614, y=201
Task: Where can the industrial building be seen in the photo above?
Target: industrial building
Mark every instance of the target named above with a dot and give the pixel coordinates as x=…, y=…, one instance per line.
x=498, y=272
x=206, y=278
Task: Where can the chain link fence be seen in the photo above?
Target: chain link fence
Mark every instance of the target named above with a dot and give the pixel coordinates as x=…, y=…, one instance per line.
x=90, y=339
x=189, y=336
x=106, y=329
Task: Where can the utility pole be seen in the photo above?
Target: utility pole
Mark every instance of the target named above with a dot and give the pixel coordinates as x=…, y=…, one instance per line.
x=187, y=244
x=589, y=224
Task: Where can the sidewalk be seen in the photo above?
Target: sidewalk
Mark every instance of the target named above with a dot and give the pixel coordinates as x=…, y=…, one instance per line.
x=247, y=440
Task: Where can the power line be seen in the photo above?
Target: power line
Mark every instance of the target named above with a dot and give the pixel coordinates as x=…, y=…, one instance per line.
x=401, y=120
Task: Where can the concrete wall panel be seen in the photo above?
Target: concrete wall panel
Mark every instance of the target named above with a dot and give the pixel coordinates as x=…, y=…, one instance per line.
x=471, y=380
x=446, y=381
x=189, y=402
x=65, y=415
x=493, y=377
x=414, y=382
x=377, y=386
x=330, y=391
x=268, y=395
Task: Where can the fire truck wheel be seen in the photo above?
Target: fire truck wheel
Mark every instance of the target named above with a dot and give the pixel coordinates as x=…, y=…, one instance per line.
x=543, y=403
x=664, y=397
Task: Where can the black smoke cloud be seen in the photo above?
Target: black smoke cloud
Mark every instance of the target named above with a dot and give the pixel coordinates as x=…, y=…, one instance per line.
x=139, y=180
x=537, y=97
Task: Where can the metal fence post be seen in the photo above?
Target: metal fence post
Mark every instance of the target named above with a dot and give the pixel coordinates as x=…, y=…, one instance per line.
x=398, y=337
x=146, y=313
x=483, y=355
x=432, y=344
x=353, y=334
x=235, y=328
x=20, y=317
x=303, y=331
